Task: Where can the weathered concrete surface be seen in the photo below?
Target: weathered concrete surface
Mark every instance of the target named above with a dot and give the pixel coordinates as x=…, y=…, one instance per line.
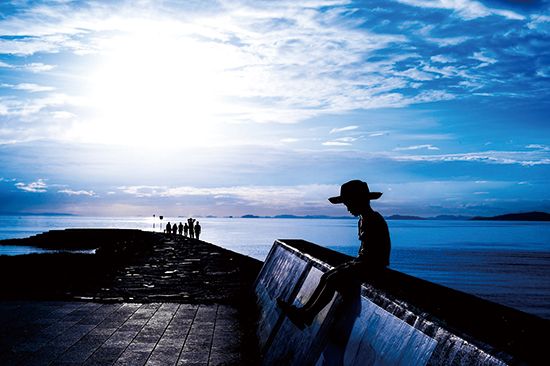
x=400, y=320
x=82, y=333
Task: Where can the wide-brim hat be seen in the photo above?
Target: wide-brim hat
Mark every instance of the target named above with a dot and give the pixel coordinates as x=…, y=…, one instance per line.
x=354, y=190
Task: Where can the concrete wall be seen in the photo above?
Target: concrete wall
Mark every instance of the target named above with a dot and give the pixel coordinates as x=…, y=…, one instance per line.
x=372, y=328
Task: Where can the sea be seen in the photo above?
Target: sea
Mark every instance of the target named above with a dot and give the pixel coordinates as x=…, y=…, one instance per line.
x=504, y=262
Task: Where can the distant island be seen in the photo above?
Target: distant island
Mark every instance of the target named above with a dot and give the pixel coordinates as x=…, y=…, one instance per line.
x=296, y=217
x=526, y=216
x=404, y=217
x=439, y=217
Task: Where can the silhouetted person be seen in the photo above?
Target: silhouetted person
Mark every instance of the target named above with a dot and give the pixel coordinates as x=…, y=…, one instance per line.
x=197, y=230
x=191, y=221
x=372, y=259
x=175, y=229
x=180, y=229
x=186, y=230
x=169, y=229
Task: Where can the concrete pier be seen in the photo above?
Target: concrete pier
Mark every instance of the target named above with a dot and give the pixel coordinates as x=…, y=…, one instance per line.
x=147, y=300
x=399, y=320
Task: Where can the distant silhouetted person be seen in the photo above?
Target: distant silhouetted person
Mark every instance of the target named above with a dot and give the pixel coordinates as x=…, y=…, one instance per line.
x=191, y=222
x=175, y=229
x=186, y=230
x=197, y=230
x=180, y=229
x=372, y=259
x=168, y=229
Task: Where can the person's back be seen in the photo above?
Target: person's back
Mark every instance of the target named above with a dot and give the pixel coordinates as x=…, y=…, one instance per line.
x=375, y=240
x=197, y=230
x=191, y=222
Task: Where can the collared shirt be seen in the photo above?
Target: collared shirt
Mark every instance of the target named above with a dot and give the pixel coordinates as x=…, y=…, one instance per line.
x=375, y=240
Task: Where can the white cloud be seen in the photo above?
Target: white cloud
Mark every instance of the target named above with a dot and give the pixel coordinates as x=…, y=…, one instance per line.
x=34, y=67
x=342, y=141
x=30, y=46
x=539, y=21
x=490, y=157
x=449, y=41
x=447, y=71
x=442, y=59
x=10, y=106
x=417, y=147
x=347, y=128
x=38, y=186
x=416, y=74
x=336, y=143
x=63, y=114
x=273, y=196
x=28, y=87
x=70, y=192
x=465, y=9
x=485, y=60
x=37, y=67
x=539, y=147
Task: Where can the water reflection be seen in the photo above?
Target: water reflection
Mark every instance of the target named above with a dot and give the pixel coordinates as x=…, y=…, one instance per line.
x=22, y=250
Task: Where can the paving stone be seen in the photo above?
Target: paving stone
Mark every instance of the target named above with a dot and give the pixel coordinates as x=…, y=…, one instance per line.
x=164, y=356
x=132, y=359
x=104, y=356
x=130, y=333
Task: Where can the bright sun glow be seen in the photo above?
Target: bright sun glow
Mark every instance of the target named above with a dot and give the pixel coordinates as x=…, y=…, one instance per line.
x=158, y=90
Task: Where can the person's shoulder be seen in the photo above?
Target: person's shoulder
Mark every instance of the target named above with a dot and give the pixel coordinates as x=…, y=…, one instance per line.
x=377, y=216
x=373, y=214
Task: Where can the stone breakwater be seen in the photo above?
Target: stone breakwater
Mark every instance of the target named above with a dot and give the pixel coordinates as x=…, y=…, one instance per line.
x=129, y=266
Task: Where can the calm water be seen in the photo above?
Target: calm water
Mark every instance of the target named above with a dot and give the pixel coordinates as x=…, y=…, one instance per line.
x=505, y=262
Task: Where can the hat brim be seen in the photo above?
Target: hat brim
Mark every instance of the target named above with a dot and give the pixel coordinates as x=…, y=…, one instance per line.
x=340, y=199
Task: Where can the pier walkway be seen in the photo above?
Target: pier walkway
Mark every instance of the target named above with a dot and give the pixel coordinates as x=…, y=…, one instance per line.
x=87, y=333
x=182, y=303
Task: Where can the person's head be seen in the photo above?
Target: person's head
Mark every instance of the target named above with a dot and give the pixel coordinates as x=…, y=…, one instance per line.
x=356, y=196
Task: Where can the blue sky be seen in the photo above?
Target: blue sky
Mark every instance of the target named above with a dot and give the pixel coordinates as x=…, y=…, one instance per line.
x=266, y=107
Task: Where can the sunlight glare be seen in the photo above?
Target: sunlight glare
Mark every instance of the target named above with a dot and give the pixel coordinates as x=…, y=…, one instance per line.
x=157, y=91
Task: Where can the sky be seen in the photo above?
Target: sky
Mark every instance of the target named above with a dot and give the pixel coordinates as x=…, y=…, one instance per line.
x=196, y=108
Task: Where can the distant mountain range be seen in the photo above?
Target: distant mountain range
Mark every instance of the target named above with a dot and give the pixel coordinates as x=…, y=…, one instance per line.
x=440, y=217
x=526, y=216
x=296, y=217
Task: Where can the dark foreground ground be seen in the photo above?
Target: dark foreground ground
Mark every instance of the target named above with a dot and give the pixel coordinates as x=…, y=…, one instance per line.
x=137, y=267
x=148, y=278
